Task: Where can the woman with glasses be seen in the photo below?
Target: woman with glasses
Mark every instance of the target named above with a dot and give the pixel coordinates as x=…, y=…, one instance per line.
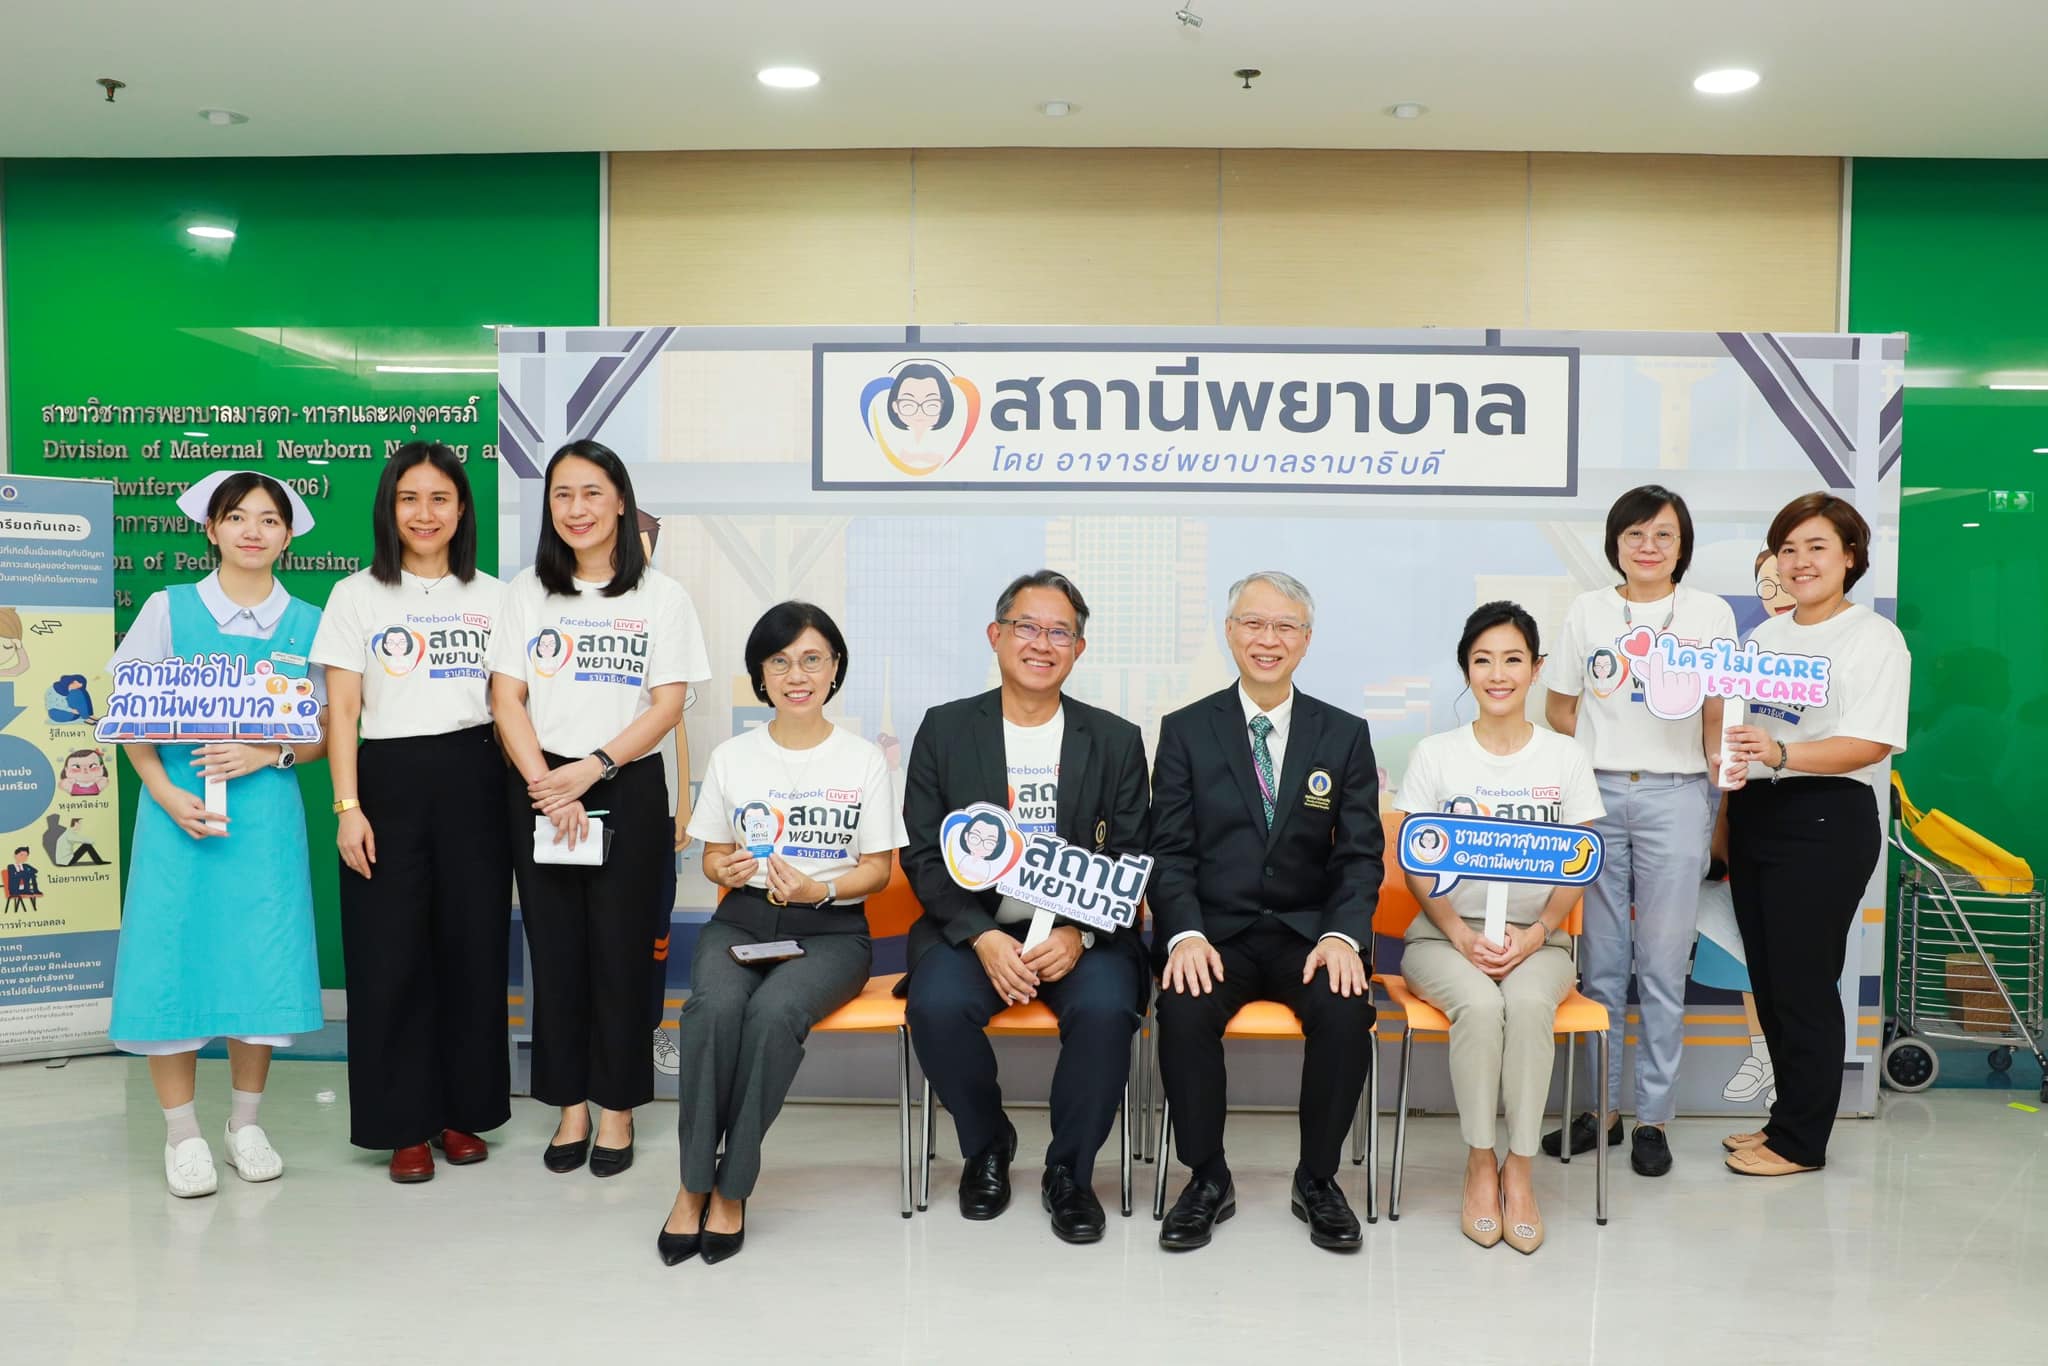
x=1648, y=734
x=788, y=944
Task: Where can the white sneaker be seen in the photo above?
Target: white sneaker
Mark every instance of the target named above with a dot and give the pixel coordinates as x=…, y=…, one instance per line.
x=188, y=1169
x=667, y=1059
x=1751, y=1080
x=250, y=1154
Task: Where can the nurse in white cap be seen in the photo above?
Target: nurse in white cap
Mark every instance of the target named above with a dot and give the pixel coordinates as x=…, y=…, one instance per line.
x=217, y=928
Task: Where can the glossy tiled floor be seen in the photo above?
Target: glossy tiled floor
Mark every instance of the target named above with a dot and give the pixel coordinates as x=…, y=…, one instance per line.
x=1926, y=1240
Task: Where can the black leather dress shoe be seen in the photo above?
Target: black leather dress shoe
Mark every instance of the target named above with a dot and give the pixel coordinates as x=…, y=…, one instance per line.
x=1202, y=1206
x=680, y=1247
x=719, y=1246
x=612, y=1161
x=1076, y=1214
x=1322, y=1206
x=1648, y=1152
x=985, y=1179
x=566, y=1157
x=1584, y=1128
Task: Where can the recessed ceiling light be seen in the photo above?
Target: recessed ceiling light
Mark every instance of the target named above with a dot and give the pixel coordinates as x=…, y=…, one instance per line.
x=1727, y=81
x=787, y=77
x=1968, y=525
x=437, y=369
x=1055, y=109
x=211, y=232
x=2041, y=450
x=1408, y=111
x=223, y=118
x=2027, y=387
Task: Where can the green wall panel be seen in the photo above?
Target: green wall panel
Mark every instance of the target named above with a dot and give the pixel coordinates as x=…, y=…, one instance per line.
x=1951, y=252
x=339, y=266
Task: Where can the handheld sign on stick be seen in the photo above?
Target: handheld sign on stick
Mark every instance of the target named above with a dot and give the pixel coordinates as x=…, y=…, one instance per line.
x=212, y=699
x=985, y=851
x=1451, y=849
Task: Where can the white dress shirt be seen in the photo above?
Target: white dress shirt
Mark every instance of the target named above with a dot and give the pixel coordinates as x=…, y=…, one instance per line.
x=1282, y=718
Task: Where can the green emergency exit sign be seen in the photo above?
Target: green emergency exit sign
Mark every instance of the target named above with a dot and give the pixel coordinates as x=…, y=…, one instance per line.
x=2012, y=500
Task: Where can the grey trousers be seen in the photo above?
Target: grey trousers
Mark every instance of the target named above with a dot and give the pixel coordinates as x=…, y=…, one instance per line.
x=1657, y=829
x=1502, y=1048
x=741, y=1037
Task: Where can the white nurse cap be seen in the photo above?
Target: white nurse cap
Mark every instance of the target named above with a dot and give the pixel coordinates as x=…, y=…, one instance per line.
x=192, y=502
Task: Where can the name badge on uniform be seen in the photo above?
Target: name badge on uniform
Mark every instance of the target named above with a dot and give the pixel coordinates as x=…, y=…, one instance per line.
x=281, y=657
x=1316, y=792
x=1101, y=833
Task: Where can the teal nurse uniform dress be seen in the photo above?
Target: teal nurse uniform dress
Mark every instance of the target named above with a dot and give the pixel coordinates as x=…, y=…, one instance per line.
x=217, y=934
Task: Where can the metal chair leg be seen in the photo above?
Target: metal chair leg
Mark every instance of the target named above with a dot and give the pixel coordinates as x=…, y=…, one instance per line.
x=1370, y=1101
x=1600, y=1143
x=903, y=1112
x=1165, y=1132
x=1400, y=1126
x=1358, y=1128
x=924, y=1199
x=1571, y=1058
x=1124, y=1130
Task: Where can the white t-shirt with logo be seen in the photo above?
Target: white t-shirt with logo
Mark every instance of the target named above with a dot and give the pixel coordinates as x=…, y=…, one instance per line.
x=820, y=808
x=1616, y=726
x=1870, y=673
x=1547, y=779
x=422, y=647
x=1033, y=756
x=589, y=661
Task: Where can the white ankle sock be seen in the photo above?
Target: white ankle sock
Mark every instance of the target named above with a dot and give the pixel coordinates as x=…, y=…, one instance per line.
x=1757, y=1048
x=180, y=1123
x=242, y=1109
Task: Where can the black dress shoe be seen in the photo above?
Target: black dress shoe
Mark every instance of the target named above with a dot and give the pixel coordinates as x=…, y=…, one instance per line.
x=1584, y=1128
x=719, y=1246
x=566, y=1157
x=985, y=1179
x=680, y=1247
x=612, y=1161
x=1202, y=1206
x=1076, y=1214
x=1322, y=1206
x=1648, y=1153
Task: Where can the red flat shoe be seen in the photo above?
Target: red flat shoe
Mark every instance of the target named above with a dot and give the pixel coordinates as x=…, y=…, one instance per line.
x=412, y=1165
x=460, y=1148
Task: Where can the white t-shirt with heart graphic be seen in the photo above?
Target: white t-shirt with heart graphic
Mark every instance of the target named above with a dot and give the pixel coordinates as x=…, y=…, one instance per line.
x=1617, y=683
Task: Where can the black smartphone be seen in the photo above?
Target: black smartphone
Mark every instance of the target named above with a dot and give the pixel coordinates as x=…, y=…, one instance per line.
x=761, y=955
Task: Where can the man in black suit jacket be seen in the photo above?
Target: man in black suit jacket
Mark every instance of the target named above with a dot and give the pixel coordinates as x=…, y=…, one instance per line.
x=1079, y=772
x=1266, y=828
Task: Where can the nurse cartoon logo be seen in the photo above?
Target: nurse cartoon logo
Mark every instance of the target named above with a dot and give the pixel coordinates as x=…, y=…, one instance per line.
x=920, y=415
x=84, y=775
x=981, y=844
x=398, y=650
x=550, y=651
x=759, y=826
x=1605, y=672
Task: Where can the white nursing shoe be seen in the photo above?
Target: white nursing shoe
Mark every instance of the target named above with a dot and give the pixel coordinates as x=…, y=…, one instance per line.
x=250, y=1154
x=188, y=1169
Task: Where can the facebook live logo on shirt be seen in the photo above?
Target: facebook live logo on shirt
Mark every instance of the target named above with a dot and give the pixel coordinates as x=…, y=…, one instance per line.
x=602, y=650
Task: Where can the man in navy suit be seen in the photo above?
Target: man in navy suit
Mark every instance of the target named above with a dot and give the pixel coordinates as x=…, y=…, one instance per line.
x=1266, y=831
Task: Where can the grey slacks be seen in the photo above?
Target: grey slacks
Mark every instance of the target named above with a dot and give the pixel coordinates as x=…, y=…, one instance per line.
x=742, y=1037
x=1502, y=1048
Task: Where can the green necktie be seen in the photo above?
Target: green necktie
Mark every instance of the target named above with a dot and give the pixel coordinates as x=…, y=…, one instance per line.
x=1262, y=760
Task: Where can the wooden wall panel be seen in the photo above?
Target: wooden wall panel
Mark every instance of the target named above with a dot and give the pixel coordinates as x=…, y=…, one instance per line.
x=1036, y=235
x=747, y=237
x=1374, y=239
x=1684, y=242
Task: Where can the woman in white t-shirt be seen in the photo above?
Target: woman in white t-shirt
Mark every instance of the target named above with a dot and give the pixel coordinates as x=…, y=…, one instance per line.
x=591, y=660
x=1801, y=851
x=426, y=869
x=820, y=801
x=1501, y=998
x=1647, y=733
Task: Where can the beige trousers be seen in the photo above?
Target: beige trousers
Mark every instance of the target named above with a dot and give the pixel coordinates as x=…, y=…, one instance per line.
x=1502, y=1048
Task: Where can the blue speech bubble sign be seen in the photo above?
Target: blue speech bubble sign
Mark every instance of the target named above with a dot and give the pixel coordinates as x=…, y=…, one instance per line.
x=1453, y=848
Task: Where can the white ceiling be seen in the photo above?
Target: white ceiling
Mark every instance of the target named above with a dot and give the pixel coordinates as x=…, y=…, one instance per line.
x=1840, y=77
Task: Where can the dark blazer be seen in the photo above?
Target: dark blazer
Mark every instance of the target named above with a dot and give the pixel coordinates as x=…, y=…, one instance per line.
x=1219, y=871
x=958, y=758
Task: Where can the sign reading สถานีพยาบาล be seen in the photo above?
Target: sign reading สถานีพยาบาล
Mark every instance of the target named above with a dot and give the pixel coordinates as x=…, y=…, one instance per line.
x=985, y=851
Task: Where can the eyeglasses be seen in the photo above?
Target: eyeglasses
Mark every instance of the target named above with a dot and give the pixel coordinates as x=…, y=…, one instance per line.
x=1287, y=628
x=1770, y=588
x=1059, y=637
x=930, y=407
x=810, y=662
x=1635, y=540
